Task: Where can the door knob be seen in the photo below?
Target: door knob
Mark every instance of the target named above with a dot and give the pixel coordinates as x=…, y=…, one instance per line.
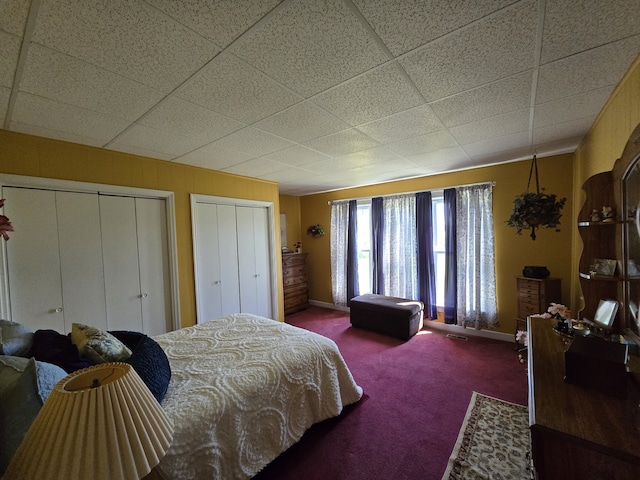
x=59, y=310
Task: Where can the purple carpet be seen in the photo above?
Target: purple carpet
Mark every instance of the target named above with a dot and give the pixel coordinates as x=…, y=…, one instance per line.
x=416, y=394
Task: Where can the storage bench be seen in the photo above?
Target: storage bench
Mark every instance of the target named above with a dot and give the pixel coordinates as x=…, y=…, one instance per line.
x=397, y=317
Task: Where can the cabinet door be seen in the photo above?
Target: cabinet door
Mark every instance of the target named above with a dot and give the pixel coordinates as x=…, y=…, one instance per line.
x=121, y=271
x=153, y=254
x=253, y=261
x=33, y=261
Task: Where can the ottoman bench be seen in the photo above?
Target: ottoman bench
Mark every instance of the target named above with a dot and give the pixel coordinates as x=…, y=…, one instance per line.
x=393, y=316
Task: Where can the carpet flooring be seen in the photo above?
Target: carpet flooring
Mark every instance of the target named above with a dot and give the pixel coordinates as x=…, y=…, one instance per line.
x=416, y=395
x=493, y=443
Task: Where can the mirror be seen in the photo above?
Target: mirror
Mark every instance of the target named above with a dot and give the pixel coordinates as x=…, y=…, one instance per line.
x=631, y=268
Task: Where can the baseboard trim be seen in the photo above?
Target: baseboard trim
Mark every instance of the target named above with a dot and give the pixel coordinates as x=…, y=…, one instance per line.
x=457, y=329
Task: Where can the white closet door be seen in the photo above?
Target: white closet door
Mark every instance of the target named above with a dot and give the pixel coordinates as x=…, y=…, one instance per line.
x=153, y=252
x=121, y=263
x=82, y=270
x=33, y=260
x=216, y=261
x=253, y=263
x=228, y=259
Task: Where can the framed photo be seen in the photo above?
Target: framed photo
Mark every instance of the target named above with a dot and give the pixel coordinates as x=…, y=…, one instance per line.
x=605, y=266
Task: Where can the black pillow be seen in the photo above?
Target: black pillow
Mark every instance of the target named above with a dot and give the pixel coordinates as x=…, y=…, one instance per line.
x=148, y=360
x=53, y=347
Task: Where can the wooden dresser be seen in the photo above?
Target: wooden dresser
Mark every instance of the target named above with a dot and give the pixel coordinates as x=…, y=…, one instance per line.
x=535, y=295
x=294, y=278
x=576, y=432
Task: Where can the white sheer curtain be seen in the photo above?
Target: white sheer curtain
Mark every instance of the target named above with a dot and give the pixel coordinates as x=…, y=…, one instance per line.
x=339, y=231
x=399, y=247
x=476, y=278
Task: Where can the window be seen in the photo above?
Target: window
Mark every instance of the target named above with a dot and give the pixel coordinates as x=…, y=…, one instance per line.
x=364, y=245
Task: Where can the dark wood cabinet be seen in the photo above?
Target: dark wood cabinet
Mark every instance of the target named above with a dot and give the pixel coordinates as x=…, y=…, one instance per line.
x=294, y=278
x=535, y=295
x=576, y=432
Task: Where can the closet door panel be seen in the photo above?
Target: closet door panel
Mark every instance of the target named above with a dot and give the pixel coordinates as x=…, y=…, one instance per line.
x=121, y=263
x=263, y=270
x=33, y=260
x=153, y=252
x=247, y=260
x=82, y=270
x=228, y=259
x=208, y=297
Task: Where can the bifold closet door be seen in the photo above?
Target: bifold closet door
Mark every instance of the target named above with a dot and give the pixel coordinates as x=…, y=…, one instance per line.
x=253, y=260
x=54, y=259
x=216, y=255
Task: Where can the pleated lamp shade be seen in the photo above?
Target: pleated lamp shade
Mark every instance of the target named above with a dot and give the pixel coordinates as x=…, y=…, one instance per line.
x=101, y=422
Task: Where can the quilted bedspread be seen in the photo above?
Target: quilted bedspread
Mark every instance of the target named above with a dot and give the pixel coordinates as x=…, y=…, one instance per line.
x=245, y=388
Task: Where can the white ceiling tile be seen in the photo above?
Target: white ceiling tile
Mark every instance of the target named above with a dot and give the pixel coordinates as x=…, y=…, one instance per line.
x=189, y=120
x=572, y=26
x=9, y=54
x=221, y=21
x=405, y=25
x=453, y=156
x=232, y=88
x=423, y=143
x=65, y=79
x=586, y=71
x=513, y=93
x=296, y=156
x=64, y=135
x=499, y=144
x=333, y=166
x=559, y=131
x=290, y=174
x=373, y=95
x=512, y=122
x=47, y=114
x=128, y=38
x=410, y=123
x=213, y=157
x=253, y=142
x=342, y=143
x=311, y=46
x=5, y=93
x=13, y=16
x=495, y=48
x=371, y=156
x=572, y=108
x=143, y=152
x=302, y=122
x=256, y=167
x=152, y=139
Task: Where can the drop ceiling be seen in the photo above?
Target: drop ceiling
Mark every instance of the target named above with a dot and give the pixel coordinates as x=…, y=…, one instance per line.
x=316, y=95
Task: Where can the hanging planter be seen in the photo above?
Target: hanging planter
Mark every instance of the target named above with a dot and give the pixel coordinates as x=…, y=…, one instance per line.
x=315, y=231
x=533, y=210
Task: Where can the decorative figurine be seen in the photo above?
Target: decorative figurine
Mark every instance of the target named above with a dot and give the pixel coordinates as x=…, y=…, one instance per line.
x=595, y=215
x=607, y=214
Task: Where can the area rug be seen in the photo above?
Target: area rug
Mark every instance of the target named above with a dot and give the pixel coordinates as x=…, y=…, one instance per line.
x=493, y=442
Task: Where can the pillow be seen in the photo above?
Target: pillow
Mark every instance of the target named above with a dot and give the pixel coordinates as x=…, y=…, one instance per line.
x=97, y=345
x=21, y=398
x=148, y=360
x=53, y=347
x=15, y=339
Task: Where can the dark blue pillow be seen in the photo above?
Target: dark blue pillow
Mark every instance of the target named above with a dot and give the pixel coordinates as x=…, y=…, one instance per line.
x=148, y=360
x=53, y=347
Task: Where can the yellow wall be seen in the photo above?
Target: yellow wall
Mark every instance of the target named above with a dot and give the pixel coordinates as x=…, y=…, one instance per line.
x=39, y=157
x=513, y=252
x=604, y=145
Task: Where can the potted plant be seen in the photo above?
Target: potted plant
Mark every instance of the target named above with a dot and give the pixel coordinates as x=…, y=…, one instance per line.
x=315, y=231
x=537, y=209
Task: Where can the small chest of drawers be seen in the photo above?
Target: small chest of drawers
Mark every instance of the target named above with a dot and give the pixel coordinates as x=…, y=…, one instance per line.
x=294, y=278
x=536, y=294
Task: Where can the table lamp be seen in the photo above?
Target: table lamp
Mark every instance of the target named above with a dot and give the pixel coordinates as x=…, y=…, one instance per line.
x=100, y=422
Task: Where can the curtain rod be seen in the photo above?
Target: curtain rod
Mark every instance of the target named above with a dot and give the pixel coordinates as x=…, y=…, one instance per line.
x=492, y=183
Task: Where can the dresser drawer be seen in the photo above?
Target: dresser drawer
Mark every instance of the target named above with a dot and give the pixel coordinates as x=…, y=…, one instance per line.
x=296, y=301
x=293, y=259
x=298, y=289
x=294, y=270
x=294, y=280
x=526, y=309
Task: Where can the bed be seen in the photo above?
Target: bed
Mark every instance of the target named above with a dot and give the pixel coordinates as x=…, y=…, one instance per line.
x=240, y=390
x=243, y=389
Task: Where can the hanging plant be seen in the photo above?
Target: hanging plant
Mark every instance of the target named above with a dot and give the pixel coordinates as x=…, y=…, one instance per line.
x=315, y=231
x=533, y=210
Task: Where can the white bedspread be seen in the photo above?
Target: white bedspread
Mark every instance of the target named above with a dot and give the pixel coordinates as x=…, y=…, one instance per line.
x=245, y=388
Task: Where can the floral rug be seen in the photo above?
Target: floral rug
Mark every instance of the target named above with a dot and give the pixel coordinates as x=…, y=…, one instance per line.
x=493, y=442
